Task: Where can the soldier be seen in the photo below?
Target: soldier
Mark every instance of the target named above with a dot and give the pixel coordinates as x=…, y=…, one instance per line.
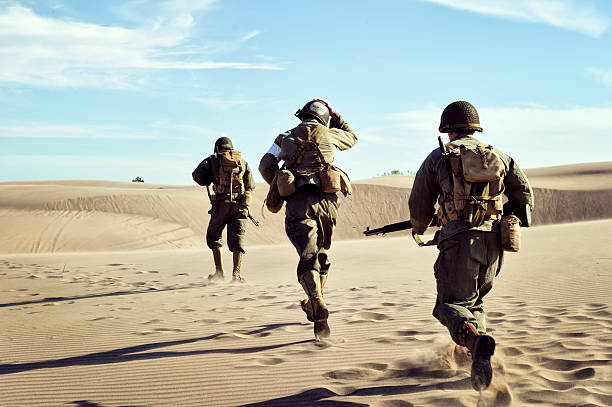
x=232, y=185
x=312, y=209
x=470, y=255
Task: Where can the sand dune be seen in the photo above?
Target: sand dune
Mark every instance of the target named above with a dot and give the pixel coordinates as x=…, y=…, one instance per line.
x=146, y=328
x=54, y=216
x=105, y=302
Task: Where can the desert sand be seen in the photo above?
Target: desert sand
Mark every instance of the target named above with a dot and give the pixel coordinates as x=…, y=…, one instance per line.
x=105, y=302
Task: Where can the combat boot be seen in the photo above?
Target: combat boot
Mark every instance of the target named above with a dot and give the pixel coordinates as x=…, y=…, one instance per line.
x=237, y=263
x=314, y=306
x=218, y=275
x=482, y=347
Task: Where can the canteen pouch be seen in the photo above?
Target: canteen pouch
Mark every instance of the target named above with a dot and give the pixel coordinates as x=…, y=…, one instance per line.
x=285, y=182
x=274, y=202
x=510, y=233
x=330, y=179
x=345, y=183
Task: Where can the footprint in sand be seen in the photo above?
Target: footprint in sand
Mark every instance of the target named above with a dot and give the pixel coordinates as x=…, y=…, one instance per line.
x=270, y=361
x=168, y=330
x=364, y=317
x=183, y=310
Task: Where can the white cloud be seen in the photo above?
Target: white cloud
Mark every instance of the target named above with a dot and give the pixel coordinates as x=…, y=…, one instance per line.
x=603, y=76
x=157, y=130
x=568, y=14
x=250, y=35
x=44, y=51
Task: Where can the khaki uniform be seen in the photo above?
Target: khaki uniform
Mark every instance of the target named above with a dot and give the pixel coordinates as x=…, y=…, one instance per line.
x=233, y=214
x=310, y=214
x=469, y=257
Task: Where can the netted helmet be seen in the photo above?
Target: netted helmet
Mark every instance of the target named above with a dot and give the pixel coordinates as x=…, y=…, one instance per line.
x=315, y=109
x=223, y=143
x=459, y=116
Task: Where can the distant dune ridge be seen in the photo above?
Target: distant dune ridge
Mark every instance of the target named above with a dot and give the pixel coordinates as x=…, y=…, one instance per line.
x=56, y=216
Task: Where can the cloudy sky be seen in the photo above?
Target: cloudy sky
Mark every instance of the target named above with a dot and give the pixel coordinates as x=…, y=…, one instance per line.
x=112, y=90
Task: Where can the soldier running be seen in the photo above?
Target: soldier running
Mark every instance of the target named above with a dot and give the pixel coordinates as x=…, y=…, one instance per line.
x=470, y=253
x=232, y=185
x=312, y=205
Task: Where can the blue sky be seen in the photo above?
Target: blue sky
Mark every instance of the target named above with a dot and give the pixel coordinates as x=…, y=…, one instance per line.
x=111, y=90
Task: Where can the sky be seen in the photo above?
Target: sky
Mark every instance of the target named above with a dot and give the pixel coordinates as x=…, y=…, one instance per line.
x=112, y=90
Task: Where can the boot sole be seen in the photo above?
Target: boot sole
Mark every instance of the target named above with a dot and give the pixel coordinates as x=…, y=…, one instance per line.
x=321, y=329
x=482, y=373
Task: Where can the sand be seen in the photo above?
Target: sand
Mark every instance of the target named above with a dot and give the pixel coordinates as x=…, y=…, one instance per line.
x=105, y=302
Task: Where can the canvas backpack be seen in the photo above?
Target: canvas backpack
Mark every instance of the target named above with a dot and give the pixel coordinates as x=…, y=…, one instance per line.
x=477, y=185
x=228, y=173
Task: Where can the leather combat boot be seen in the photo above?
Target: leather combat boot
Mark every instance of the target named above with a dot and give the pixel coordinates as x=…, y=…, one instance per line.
x=481, y=346
x=218, y=275
x=237, y=263
x=314, y=307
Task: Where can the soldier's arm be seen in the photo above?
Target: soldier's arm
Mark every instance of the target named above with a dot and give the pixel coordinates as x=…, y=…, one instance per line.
x=343, y=136
x=425, y=192
x=247, y=178
x=269, y=162
x=203, y=174
x=517, y=187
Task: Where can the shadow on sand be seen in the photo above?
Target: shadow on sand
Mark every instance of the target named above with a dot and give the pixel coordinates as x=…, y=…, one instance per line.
x=132, y=353
x=82, y=297
x=318, y=396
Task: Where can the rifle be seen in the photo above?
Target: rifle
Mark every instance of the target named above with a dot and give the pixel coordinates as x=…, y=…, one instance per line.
x=405, y=225
x=393, y=227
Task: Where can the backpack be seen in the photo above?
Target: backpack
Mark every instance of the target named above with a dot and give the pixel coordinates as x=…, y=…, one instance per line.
x=308, y=159
x=477, y=185
x=228, y=173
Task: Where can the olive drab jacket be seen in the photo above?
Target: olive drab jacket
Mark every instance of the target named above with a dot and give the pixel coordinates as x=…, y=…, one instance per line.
x=432, y=183
x=339, y=135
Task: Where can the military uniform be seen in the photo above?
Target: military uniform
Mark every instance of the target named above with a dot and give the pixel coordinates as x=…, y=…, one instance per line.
x=228, y=209
x=310, y=214
x=469, y=256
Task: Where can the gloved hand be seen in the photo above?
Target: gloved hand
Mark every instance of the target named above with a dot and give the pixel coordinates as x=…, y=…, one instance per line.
x=331, y=109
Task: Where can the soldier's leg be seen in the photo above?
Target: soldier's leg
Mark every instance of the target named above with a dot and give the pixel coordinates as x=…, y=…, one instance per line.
x=302, y=228
x=213, y=238
x=488, y=271
x=303, y=235
x=457, y=270
x=236, y=229
x=327, y=214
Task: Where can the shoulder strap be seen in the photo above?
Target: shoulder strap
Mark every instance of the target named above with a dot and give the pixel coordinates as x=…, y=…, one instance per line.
x=304, y=139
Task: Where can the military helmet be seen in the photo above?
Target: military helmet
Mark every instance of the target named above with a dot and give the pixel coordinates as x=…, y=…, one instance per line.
x=223, y=143
x=459, y=116
x=315, y=109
